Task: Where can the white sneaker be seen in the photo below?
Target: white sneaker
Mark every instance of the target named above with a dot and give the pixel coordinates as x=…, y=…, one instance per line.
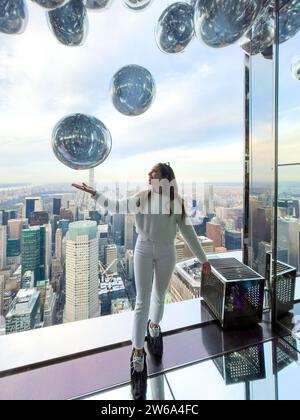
x=137, y=362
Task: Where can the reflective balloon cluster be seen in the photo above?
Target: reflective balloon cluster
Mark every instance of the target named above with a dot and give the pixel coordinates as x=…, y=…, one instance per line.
x=81, y=142
x=296, y=67
x=175, y=28
x=13, y=16
x=69, y=23
x=221, y=23
x=132, y=90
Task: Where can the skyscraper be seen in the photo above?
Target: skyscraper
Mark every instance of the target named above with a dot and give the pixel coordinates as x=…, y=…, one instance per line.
x=214, y=232
x=111, y=255
x=56, y=206
x=4, y=216
x=34, y=252
x=129, y=228
x=3, y=246
x=1, y=294
x=82, y=300
x=233, y=240
x=32, y=204
x=58, y=244
x=24, y=314
x=119, y=229
x=103, y=240
x=39, y=218
x=14, y=228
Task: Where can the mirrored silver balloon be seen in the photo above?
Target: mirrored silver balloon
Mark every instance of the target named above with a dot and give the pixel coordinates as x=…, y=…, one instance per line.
x=132, y=90
x=296, y=67
x=51, y=4
x=13, y=16
x=289, y=21
x=224, y=22
x=175, y=28
x=81, y=142
x=69, y=23
x=97, y=5
x=261, y=35
x=137, y=5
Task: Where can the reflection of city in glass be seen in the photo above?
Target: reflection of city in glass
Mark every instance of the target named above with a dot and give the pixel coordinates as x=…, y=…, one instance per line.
x=62, y=269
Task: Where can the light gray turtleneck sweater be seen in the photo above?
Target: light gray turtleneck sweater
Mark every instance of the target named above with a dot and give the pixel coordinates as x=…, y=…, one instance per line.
x=155, y=225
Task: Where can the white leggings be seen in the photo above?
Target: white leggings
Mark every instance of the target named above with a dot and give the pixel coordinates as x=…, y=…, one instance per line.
x=150, y=258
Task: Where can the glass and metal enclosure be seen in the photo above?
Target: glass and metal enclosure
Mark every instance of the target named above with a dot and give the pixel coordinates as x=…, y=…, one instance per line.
x=272, y=159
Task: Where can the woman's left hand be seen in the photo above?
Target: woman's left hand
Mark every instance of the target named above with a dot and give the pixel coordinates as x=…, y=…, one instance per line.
x=206, y=268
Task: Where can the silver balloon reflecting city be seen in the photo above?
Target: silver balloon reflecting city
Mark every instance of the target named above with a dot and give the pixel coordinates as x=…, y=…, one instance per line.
x=289, y=21
x=13, y=16
x=224, y=22
x=137, y=5
x=261, y=35
x=175, y=28
x=81, y=142
x=97, y=5
x=69, y=23
x=51, y=4
x=132, y=90
x=296, y=67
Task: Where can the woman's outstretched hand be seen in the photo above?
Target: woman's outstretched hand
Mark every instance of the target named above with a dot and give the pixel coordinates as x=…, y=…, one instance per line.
x=206, y=268
x=85, y=188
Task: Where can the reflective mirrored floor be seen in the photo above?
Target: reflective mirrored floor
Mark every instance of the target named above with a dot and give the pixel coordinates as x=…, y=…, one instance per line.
x=269, y=371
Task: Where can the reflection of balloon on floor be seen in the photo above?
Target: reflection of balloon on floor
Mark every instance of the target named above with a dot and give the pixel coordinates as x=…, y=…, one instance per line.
x=69, y=23
x=13, y=16
x=175, y=28
x=137, y=5
x=51, y=4
x=296, y=67
x=132, y=90
x=224, y=22
x=81, y=142
x=97, y=5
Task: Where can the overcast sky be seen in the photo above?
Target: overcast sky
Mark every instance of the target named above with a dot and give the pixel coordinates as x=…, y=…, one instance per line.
x=196, y=121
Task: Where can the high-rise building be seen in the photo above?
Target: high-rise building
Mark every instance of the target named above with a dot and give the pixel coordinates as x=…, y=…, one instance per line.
x=4, y=217
x=233, y=240
x=82, y=300
x=24, y=314
x=49, y=307
x=3, y=246
x=214, y=232
x=66, y=214
x=27, y=280
x=34, y=251
x=119, y=306
x=63, y=224
x=118, y=229
x=129, y=264
x=32, y=204
x=56, y=206
x=39, y=218
x=103, y=240
x=13, y=248
x=58, y=244
x=111, y=255
x=129, y=231
x=73, y=208
x=14, y=228
x=1, y=294
x=211, y=205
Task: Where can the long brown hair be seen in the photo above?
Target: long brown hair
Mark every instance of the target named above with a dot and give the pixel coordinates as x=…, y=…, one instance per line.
x=167, y=173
